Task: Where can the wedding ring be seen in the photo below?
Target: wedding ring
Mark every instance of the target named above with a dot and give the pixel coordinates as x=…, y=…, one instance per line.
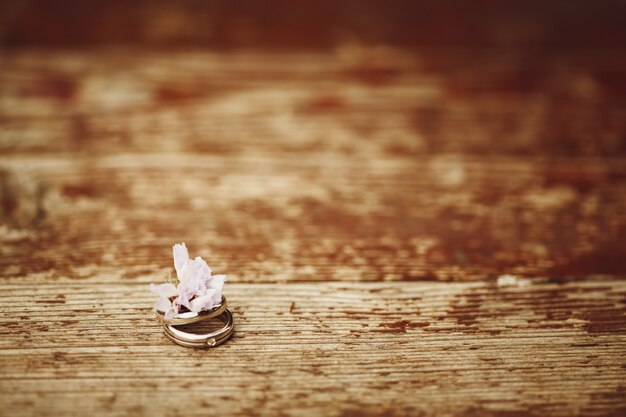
x=195, y=289
x=192, y=317
x=203, y=340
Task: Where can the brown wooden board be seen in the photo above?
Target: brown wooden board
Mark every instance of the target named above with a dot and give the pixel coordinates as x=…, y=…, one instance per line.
x=406, y=233
x=321, y=349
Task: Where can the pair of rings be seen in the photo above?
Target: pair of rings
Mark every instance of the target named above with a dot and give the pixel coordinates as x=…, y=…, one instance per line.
x=199, y=340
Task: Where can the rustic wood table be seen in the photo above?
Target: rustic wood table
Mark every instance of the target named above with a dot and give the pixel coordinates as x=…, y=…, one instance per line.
x=435, y=232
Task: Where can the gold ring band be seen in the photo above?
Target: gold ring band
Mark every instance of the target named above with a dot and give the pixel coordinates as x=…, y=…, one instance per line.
x=206, y=339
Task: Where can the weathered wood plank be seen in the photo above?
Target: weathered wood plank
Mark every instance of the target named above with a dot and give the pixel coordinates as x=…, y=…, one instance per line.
x=381, y=102
x=334, y=348
x=267, y=219
x=303, y=175
x=364, y=164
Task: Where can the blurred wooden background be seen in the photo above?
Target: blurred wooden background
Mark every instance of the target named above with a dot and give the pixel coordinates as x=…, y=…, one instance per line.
x=421, y=206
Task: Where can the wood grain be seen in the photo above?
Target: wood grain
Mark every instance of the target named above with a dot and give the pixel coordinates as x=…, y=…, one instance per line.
x=266, y=219
x=436, y=348
x=366, y=203
x=309, y=167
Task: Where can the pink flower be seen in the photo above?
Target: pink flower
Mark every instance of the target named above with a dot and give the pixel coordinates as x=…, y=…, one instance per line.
x=163, y=303
x=197, y=289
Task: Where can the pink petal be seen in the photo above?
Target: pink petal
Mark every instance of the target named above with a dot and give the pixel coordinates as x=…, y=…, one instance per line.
x=170, y=314
x=202, y=269
x=162, y=304
x=217, y=282
x=203, y=303
x=164, y=290
x=181, y=256
x=181, y=300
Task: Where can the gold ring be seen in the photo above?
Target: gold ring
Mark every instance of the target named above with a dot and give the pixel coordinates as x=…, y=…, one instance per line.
x=203, y=340
x=190, y=299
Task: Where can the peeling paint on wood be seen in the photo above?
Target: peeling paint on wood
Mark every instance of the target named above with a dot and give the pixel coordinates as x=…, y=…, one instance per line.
x=425, y=356
x=423, y=237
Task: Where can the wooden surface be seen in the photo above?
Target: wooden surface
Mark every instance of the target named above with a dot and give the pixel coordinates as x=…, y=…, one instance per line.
x=434, y=232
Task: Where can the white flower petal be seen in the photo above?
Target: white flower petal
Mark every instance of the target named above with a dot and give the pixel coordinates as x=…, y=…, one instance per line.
x=191, y=287
x=197, y=290
x=184, y=272
x=217, y=282
x=164, y=290
x=170, y=314
x=182, y=300
x=181, y=256
x=204, y=302
x=202, y=268
x=162, y=304
x=195, y=270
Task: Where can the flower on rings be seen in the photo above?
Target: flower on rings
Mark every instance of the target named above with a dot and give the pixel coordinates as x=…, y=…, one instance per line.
x=197, y=290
